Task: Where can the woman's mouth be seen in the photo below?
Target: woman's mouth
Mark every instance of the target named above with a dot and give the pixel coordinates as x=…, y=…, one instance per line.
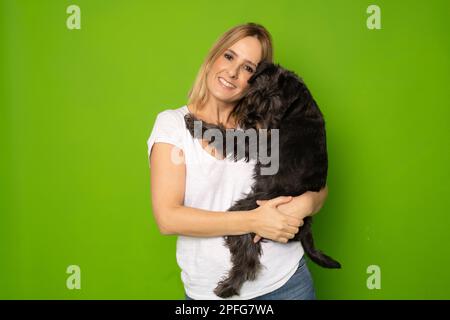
x=226, y=84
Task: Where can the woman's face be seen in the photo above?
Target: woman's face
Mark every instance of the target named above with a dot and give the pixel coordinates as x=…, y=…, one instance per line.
x=227, y=79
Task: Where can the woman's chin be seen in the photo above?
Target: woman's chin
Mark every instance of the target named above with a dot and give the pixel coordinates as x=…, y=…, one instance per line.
x=224, y=97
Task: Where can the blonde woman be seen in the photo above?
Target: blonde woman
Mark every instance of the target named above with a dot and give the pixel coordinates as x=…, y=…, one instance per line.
x=192, y=187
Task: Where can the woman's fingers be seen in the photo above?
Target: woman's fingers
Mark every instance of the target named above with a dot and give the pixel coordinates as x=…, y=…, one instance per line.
x=256, y=239
x=281, y=198
x=294, y=221
x=261, y=202
x=288, y=235
x=278, y=200
x=274, y=224
x=283, y=239
x=292, y=230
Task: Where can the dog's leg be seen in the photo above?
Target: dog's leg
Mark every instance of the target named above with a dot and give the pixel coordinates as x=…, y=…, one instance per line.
x=246, y=265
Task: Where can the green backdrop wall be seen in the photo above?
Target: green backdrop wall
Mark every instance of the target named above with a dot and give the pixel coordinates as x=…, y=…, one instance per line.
x=77, y=107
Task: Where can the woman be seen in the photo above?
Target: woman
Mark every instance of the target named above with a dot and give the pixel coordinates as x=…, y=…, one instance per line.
x=192, y=187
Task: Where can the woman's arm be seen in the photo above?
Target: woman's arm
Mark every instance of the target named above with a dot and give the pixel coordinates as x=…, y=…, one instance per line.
x=319, y=199
x=168, y=179
x=307, y=204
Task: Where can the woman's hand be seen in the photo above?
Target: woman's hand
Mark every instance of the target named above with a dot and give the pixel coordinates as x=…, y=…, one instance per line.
x=302, y=206
x=272, y=224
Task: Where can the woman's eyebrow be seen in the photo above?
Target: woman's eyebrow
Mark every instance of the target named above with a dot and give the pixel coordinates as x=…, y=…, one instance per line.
x=238, y=56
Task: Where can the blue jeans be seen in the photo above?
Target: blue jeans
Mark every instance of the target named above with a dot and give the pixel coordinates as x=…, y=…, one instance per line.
x=299, y=287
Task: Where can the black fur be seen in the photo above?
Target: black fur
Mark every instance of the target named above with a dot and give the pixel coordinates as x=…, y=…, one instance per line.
x=276, y=99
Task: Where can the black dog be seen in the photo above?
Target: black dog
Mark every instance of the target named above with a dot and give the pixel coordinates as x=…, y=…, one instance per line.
x=276, y=99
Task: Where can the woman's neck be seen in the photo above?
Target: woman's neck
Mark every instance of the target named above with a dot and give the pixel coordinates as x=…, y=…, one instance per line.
x=215, y=112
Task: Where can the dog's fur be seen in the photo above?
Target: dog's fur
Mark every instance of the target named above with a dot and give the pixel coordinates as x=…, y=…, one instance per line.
x=276, y=99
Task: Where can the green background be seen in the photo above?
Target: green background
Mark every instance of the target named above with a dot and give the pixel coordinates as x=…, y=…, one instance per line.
x=77, y=107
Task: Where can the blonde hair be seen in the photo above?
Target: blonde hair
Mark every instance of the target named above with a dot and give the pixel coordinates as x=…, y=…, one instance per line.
x=198, y=94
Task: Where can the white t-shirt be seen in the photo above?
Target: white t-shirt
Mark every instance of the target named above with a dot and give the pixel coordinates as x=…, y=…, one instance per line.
x=213, y=184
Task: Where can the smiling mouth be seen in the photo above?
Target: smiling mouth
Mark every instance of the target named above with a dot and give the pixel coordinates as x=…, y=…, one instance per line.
x=226, y=84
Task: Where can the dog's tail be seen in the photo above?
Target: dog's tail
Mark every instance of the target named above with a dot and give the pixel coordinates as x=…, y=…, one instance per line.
x=314, y=254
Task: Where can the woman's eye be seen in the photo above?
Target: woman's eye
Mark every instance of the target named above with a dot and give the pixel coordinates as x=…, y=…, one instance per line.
x=229, y=57
x=249, y=69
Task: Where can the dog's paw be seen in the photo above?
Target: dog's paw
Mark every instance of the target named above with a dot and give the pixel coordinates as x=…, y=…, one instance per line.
x=225, y=290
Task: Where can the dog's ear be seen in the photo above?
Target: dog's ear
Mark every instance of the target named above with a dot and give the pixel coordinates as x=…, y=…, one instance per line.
x=272, y=110
x=262, y=66
x=291, y=87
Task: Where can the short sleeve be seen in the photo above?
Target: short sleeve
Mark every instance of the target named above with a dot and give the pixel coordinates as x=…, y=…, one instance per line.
x=165, y=129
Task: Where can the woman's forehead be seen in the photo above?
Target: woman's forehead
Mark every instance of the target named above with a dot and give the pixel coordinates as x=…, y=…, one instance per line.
x=248, y=48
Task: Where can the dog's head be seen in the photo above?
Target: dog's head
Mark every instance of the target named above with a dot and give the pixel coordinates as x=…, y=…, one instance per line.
x=272, y=89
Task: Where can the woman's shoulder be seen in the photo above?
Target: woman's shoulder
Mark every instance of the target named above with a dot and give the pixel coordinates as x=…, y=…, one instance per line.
x=171, y=121
x=169, y=127
x=175, y=114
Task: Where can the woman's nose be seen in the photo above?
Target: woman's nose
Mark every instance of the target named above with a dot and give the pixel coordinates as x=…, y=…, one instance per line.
x=233, y=71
